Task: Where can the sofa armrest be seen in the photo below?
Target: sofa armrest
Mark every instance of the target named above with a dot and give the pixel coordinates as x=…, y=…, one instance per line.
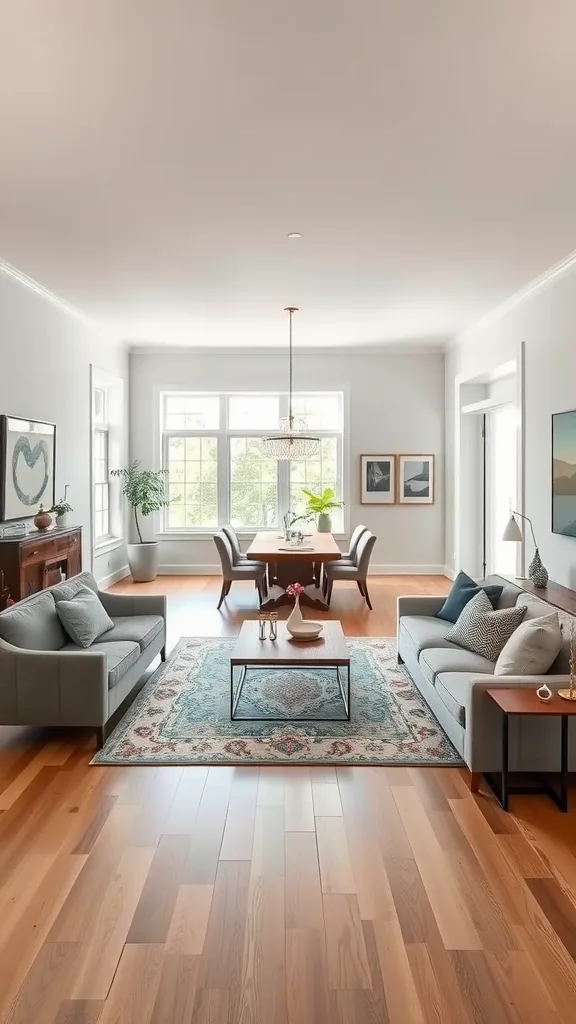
x=483, y=718
x=52, y=687
x=133, y=604
x=417, y=604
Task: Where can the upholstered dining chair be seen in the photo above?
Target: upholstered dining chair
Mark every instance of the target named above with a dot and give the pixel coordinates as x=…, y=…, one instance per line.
x=348, y=571
x=246, y=570
x=350, y=555
x=237, y=555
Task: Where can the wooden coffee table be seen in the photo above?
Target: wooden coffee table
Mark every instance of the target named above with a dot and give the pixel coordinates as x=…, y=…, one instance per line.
x=518, y=701
x=330, y=651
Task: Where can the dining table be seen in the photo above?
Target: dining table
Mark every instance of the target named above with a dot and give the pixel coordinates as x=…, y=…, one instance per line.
x=290, y=562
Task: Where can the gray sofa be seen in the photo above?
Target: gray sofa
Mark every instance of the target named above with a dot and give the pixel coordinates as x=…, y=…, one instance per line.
x=47, y=680
x=454, y=682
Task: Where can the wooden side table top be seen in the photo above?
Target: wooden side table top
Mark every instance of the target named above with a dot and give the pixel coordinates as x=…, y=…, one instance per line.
x=518, y=701
x=329, y=649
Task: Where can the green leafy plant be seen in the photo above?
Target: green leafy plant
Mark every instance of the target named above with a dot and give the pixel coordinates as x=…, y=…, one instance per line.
x=318, y=504
x=60, y=508
x=144, y=490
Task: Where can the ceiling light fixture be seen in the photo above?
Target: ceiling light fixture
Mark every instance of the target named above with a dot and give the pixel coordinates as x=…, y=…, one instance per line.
x=292, y=441
x=294, y=234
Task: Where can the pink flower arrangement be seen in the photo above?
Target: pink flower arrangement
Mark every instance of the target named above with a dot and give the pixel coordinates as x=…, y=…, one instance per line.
x=294, y=589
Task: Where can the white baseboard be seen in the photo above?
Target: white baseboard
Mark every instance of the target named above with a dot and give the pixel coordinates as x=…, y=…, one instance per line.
x=375, y=570
x=114, y=577
x=450, y=573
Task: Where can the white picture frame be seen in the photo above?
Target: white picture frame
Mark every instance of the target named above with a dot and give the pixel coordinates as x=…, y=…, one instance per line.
x=377, y=479
x=416, y=479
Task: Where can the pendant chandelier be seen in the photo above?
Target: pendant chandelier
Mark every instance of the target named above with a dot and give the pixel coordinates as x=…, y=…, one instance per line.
x=292, y=441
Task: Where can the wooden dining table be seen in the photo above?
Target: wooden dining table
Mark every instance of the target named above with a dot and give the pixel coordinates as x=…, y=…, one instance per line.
x=288, y=563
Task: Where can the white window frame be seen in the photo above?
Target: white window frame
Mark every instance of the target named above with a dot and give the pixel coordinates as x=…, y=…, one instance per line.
x=223, y=435
x=113, y=426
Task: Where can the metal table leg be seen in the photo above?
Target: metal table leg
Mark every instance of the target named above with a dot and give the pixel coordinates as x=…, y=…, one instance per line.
x=564, y=765
x=505, y=762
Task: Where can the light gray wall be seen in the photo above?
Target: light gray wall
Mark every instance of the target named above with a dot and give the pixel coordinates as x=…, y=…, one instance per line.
x=545, y=322
x=46, y=354
x=394, y=403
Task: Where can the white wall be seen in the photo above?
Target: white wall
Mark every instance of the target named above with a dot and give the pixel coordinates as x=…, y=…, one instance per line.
x=394, y=403
x=545, y=321
x=46, y=354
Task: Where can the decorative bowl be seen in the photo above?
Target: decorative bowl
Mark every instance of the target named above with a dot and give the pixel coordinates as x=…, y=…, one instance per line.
x=306, y=631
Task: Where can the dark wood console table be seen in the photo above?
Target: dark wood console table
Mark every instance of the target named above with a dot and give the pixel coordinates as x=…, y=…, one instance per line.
x=37, y=561
x=555, y=594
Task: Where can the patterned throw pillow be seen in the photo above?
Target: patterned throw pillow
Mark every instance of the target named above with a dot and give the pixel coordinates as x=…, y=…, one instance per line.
x=481, y=629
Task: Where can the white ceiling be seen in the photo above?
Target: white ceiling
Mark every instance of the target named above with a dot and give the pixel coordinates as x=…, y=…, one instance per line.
x=155, y=153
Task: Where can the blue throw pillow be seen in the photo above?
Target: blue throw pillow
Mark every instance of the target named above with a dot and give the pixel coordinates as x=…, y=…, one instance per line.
x=463, y=590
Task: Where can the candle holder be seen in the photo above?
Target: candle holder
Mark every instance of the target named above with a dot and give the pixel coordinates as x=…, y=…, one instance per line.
x=571, y=693
x=262, y=621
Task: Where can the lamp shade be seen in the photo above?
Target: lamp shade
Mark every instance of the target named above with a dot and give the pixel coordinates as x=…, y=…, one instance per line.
x=512, y=531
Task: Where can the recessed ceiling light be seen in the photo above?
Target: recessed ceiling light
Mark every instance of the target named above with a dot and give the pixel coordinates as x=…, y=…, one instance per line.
x=294, y=234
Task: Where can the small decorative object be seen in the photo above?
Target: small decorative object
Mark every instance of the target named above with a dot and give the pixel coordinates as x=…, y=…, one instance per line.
x=42, y=519
x=61, y=509
x=273, y=625
x=13, y=530
x=377, y=479
x=571, y=693
x=416, y=479
x=536, y=571
x=27, y=450
x=262, y=620
x=146, y=493
x=296, y=626
x=544, y=692
x=564, y=473
x=321, y=505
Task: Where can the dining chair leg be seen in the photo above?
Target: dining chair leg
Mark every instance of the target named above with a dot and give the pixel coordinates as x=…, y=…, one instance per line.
x=329, y=591
x=367, y=595
x=260, y=584
x=226, y=584
x=360, y=586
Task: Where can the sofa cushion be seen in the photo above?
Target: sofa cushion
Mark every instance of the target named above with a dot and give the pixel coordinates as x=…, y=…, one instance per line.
x=120, y=657
x=142, y=629
x=532, y=648
x=454, y=659
x=462, y=591
x=423, y=631
x=454, y=690
x=483, y=630
x=66, y=591
x=535, y=608
x=33, y=624
x=84, y=617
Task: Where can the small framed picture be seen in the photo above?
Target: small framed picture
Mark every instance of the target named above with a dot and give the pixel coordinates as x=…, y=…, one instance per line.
x=377, y=479
x=416, y=479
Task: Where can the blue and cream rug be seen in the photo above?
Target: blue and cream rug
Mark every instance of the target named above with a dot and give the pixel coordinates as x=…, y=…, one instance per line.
x=182, y=715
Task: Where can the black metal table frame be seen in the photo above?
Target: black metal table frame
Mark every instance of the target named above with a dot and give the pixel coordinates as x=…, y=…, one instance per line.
x=504, y=790
x=244, y=666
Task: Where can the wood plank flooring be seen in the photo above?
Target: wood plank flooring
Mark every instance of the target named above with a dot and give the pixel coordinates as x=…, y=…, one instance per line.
x=276, y=895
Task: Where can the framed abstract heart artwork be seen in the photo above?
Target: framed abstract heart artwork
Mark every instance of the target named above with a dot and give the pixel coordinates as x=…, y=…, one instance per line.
x=27, y=466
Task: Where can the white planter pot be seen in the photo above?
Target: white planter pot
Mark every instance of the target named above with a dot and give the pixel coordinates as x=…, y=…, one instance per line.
x=324, y=523
x=61, y=521
x=143, y=561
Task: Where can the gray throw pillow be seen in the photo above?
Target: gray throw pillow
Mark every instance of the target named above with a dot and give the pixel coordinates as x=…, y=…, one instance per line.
x=84, y=617
x=481, y=629
x=532, y=648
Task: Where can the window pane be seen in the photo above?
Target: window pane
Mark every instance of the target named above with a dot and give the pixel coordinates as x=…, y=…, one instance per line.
x=253, y=484
x=316, y=475
x=253, y=412
x=322, y=412
x=192, y=484
x=191, y=412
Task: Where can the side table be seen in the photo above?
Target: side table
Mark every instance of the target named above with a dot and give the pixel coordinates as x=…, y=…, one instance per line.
x=525, y=702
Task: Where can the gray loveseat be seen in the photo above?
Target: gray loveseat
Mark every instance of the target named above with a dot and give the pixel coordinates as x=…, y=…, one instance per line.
x=46, y=680
x=454, y=681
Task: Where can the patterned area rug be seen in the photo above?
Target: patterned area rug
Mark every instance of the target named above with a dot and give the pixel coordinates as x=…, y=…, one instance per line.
x=182, y=715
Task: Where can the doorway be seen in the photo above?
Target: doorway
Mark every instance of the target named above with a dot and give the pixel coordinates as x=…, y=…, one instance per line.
x=500, y=490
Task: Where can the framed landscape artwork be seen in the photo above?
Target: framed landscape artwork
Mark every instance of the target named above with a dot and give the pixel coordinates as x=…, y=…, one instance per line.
x=416, y=479
x=564, y=473
x=377, y=479
x=27, y=466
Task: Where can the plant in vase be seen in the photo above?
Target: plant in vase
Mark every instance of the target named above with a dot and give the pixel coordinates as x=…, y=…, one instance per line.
x=295, y=620
x=61, y=509
x=321, y=505
x=146, y=493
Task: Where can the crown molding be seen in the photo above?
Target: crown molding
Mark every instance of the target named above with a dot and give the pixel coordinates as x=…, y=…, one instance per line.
x=396, y=348
x=538, y=284
x=45, y=293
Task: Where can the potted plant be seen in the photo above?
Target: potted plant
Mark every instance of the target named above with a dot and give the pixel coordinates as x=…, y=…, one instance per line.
x=321, y=505
x=146, y=493
x=61, y=509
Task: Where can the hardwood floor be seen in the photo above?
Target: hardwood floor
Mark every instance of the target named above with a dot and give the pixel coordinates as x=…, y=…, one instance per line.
x=276, y=895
